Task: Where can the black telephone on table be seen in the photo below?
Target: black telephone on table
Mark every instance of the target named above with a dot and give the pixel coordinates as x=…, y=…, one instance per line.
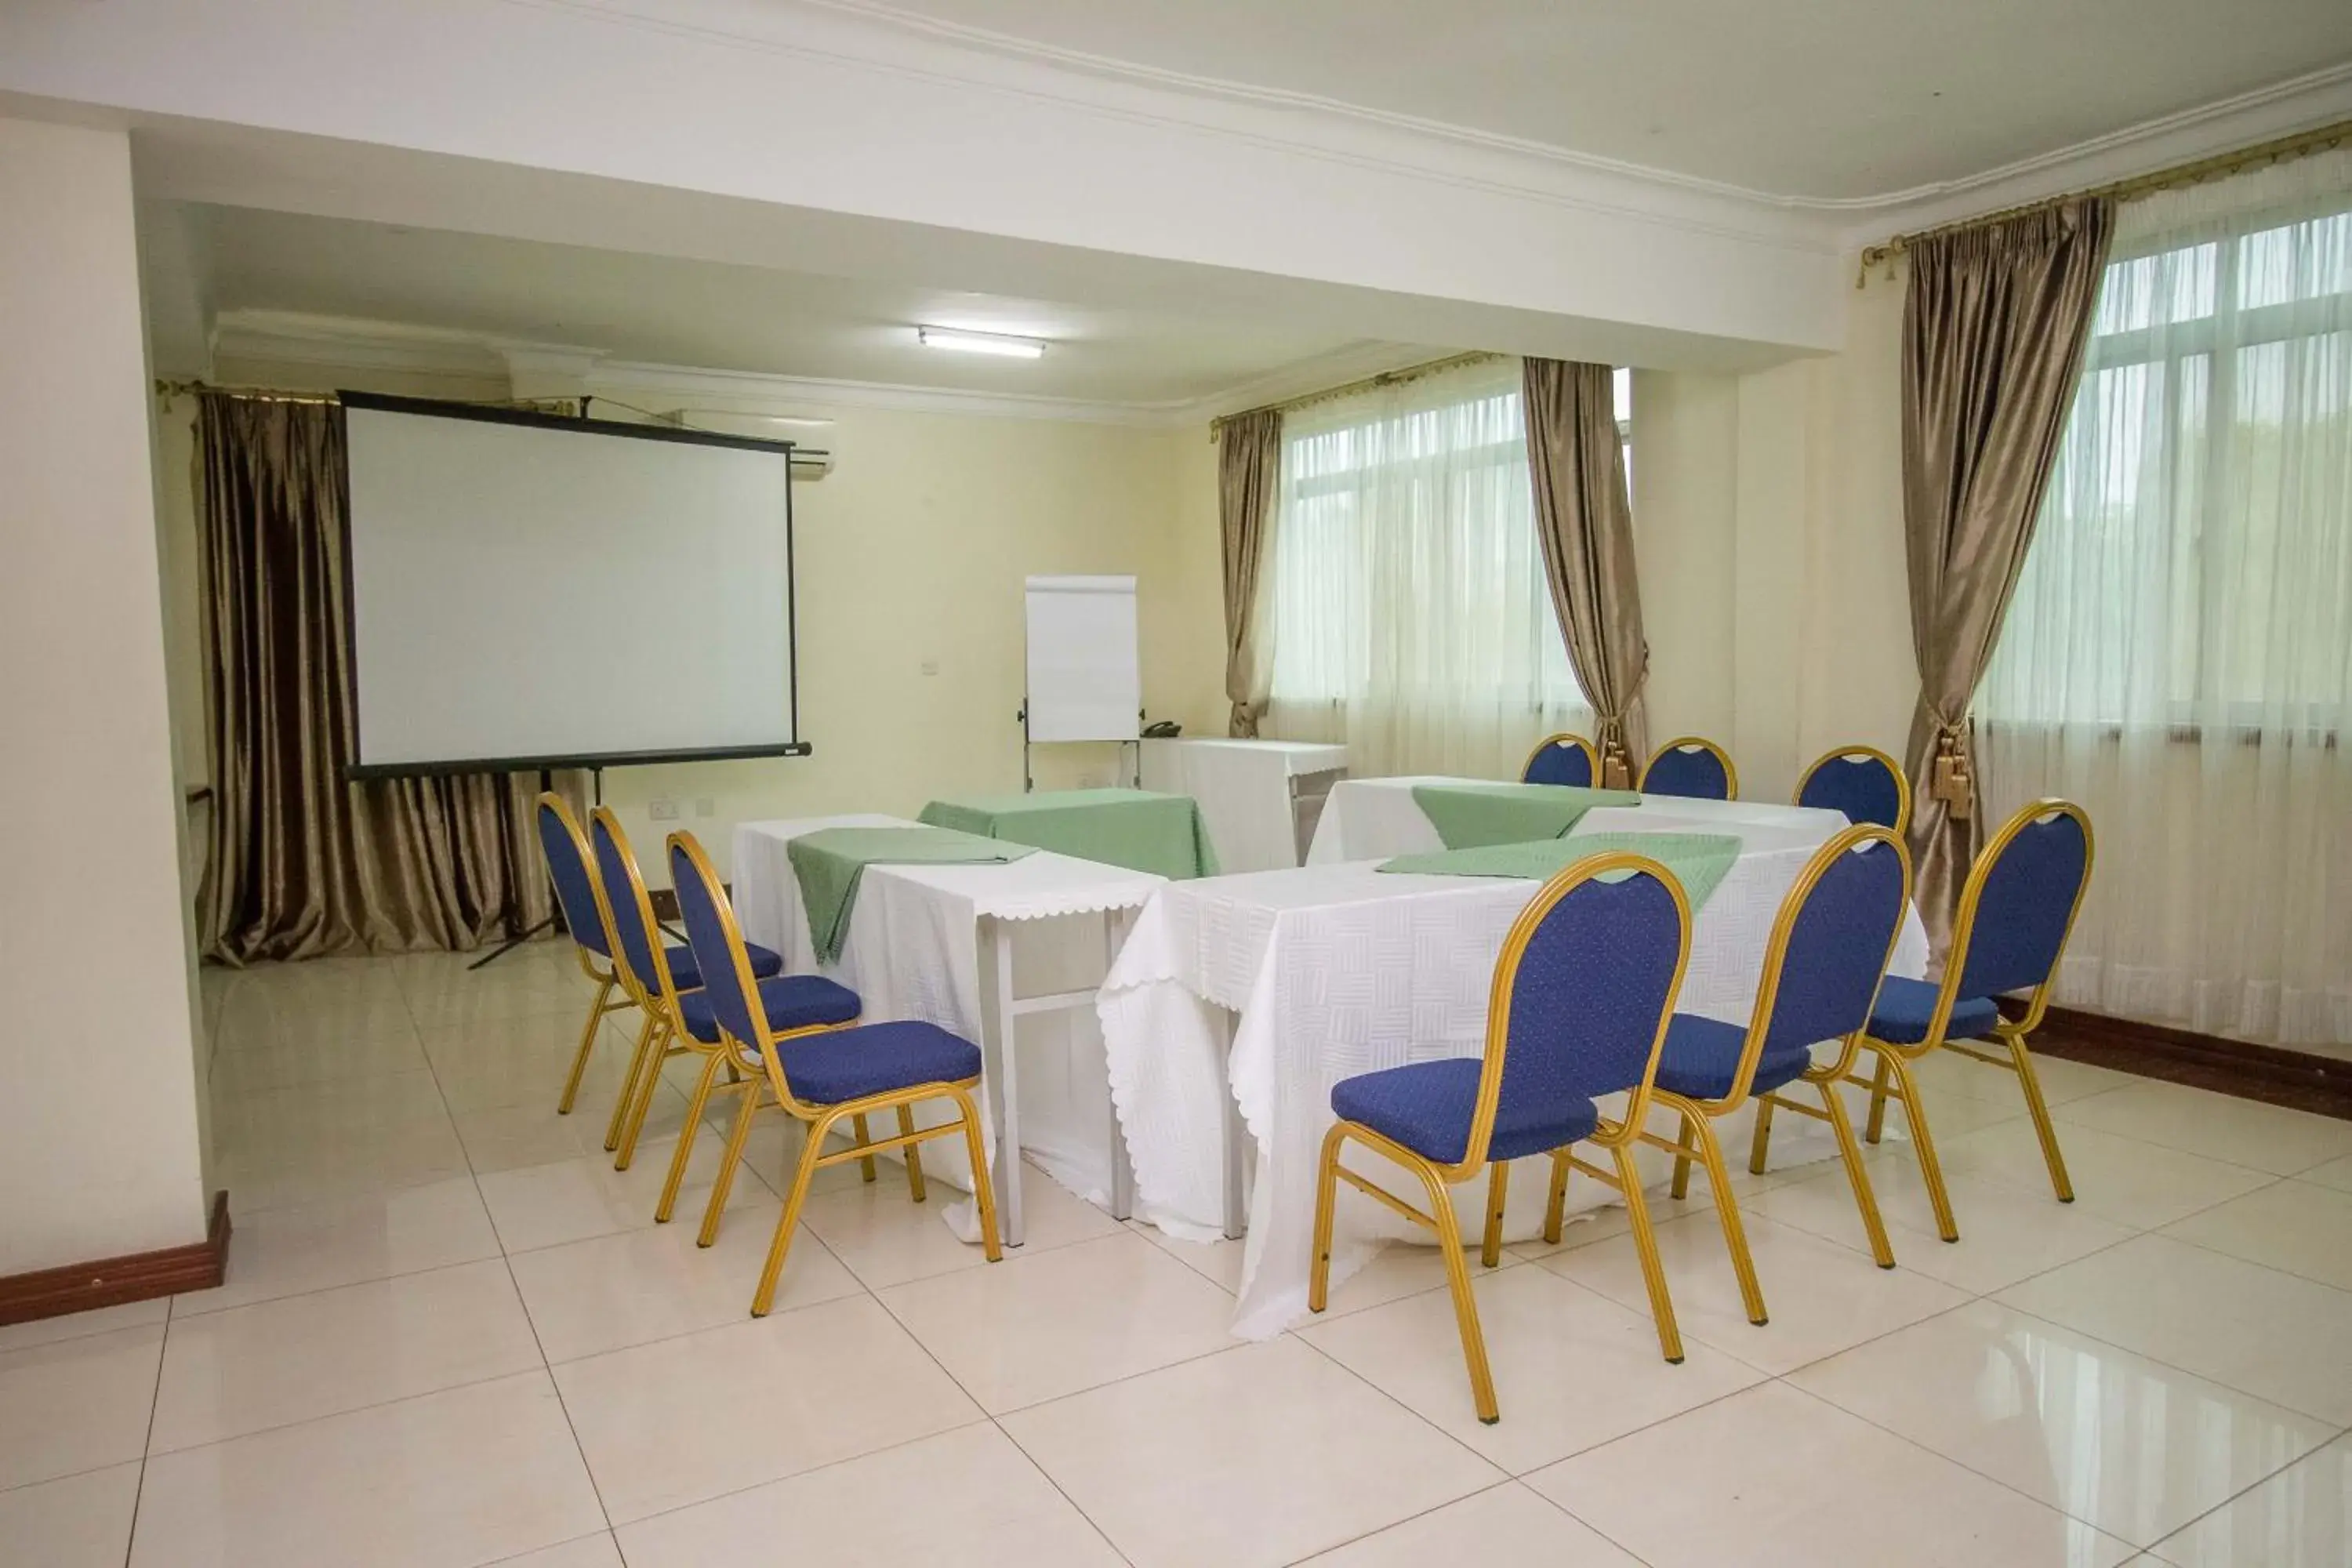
x=1166, y=730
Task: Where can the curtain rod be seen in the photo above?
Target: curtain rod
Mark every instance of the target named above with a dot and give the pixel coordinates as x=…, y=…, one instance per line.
x=2279, y=150
x=1369, y=383
x=257, y=394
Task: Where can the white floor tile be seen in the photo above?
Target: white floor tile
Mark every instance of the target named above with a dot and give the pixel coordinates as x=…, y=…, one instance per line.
x=1821, y=1298
x=2219, y=1126
x=1504, y=1524
x=598, y=1550
x=2300, y=1227
x=262, y=1063
x=508, y=1137
x=1020, y=1332
x=2007, y=1234
x=1259, y=1454
x=2335, y=1173
x=288, y=1251
x=1773, y=1477
x=2276, y=1336
x=78, y=1325
x=75, y=1405
x=2125, y=1180
x=572, y=1200
x=2300, y=1518
x=329, y=1167
x=2130, y=1445
x=684, y=1420
x=276, y=1362
x=609, y=1292
x=497, y=1062
x=77, y=1521
x=468, y=1475
x=964, y=1497
x=888, y=1240
x=1571, y=1368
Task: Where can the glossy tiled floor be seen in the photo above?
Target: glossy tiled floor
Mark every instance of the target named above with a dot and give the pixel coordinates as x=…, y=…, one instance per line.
x=452, y=1335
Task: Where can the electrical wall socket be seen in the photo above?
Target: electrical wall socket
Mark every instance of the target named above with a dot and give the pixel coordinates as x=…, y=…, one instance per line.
x=661, y=808
x=931, y=666
x=705, y=807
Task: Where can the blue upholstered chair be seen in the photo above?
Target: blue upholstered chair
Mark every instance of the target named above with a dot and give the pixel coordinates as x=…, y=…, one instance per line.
x=582, y=903
x=1828, y=952
x=660, y=976
x=1581, y=994
x=2016, y=911
x=1692, y=767
x=1862, y=782
x=823, y=1076
x=1563, y=759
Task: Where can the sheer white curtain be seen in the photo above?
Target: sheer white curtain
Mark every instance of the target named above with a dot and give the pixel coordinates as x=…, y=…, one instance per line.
x=2178, y=657
x=1411, y=618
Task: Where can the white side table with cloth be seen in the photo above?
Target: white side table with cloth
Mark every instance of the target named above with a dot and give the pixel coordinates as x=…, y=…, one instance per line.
x=975, y=949
x=1249, y=792
x=1332, y=970
x=1373, y=819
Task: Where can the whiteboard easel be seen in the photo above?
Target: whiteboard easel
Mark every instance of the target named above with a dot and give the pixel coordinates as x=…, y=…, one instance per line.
x=1085, y=677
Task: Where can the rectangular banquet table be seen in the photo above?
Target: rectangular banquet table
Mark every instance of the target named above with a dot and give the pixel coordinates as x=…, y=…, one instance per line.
x=1252, y=794
x=1372, y=819
x=972, y=947
x=1257, y=994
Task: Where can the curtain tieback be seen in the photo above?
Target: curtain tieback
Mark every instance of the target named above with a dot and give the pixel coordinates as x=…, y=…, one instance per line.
x=1616, y=765
x=1952, y=776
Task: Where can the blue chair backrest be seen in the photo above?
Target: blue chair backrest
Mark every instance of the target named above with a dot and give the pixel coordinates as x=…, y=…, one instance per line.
x=1861, y=785
x=1695, y=772
x=613, y=866
x=2024, y=904
x=1838, y=946
x=1560, y=764
x=701, y=907
x=573, y=894
x=1588, y=990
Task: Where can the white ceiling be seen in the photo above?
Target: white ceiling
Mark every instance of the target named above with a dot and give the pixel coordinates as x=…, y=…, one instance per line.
x=1828, y=99
x=674, y=311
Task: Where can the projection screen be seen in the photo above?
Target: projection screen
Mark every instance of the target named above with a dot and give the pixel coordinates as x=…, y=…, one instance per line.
x=531, y=591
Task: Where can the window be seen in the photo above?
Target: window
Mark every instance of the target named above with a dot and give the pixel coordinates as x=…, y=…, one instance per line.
x=2192, y=564
x=1411, y=617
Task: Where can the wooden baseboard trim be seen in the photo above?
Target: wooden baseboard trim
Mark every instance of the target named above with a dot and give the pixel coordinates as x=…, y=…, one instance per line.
x=111, y=1281
x=2277, y=1075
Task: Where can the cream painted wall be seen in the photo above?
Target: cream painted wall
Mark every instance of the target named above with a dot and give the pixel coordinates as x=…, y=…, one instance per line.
x=913, y=550
x=96, y=1160
x=1685, y=517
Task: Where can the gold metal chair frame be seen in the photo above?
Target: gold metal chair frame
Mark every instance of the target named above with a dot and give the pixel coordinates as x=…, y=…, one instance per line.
x=1730, y=773
x=761, y=1056
x=1616, y=1136
x=666, y=1038
x=1696, y=1138
x=1901, y=782
x=1893, y=1079
x=607, y=980
x=1567, y=738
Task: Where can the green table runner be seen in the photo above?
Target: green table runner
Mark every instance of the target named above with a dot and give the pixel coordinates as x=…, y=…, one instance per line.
x=1698, y=860
x=1140, y=829
x=1468, y=816
x=830, y=862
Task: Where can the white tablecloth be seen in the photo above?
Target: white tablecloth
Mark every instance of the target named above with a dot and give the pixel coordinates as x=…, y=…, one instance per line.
x=1372, y=819
x=1244, y=790
x=1336, y=970
x=914, y=951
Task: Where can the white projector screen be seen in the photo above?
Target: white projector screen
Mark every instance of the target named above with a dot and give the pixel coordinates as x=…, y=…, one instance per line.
x=529, y=591
x=1086, y=682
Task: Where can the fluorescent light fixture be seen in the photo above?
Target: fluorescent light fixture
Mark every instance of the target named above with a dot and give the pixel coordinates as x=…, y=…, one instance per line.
x=980, y=343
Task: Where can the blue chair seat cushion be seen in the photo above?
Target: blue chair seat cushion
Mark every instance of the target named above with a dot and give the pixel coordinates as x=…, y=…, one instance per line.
x=1426, y=1107
x=791, y=1001
x=849, y=1064
x=1701, y=1055
x=686, y=975
x=1905, y=1008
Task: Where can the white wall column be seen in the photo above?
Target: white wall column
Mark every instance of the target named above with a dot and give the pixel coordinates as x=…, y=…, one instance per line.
x=100, y=1147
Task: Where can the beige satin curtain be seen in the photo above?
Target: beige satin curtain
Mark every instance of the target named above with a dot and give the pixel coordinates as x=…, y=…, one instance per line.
x=1994, y=324
x=1585, y=525
x=1249, y=467
x=303, y=863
